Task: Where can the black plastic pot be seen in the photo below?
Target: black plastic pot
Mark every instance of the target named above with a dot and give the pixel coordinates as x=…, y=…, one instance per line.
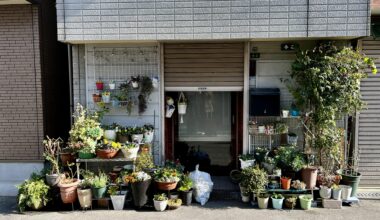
x=139, y=193
x=187, y=197
x=352, y=181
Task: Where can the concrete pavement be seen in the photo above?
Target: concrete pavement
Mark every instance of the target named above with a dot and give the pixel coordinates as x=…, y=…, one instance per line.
x=368, y=209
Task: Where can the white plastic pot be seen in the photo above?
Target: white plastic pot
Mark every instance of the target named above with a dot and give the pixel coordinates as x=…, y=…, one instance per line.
x=148, y=136
x=244, y=198
x=130, y=153
x=110, y=135
x=85, y=197
x=346, y=191
x=112, y=86
x=182, y=108
x=137, y=137
x=263, y=202
x=325, y=192
x=285, y=113
x=118, y=202
x=246, y=163
x=160, y=205
x=135, y=84
x=261, y=129
x=337, y=194
x=155, y=82
x=106, y=98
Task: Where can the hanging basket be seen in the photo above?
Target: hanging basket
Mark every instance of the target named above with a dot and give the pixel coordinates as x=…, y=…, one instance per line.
x=182, y=105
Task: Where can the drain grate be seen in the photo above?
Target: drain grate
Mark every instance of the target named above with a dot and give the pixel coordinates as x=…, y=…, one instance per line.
x=368, y=195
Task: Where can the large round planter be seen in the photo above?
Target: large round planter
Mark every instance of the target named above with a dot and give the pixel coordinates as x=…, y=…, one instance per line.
x=352, y=181
x=285, y=183
x=325, y=192
x=305, y=201
x=337, y=194
x=139, y=193
x=83, y=155
x=118, y=202
x=130, y=153
x=277, y=203
x=53, y=179
x=137, y=137
x=99, y=193
x=122, y=138
x=67, y=158
x=346, y=191
x=263, y=202
x=110, y=135
x=309, y=177
x=160, y=205
x=106, y=153
x=148, y=136
x=68, y=191
x=85, y=198
x=166, y=186
x=187, y=197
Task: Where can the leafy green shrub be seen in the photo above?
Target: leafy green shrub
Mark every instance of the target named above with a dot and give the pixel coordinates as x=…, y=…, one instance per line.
x=254, y=178
x=33, y=193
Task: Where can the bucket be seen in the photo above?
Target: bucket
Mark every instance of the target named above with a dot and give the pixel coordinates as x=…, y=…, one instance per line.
x=305, y=201
x=118, y=201
x=277, y=203
x=309, y=176
x=346, y=191
x=182, y=108
x=263, y=202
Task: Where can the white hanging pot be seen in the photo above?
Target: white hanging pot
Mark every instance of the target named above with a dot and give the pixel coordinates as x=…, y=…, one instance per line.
x=106, y=98
x=182, y=108
x=135, y=84
x=155, y=82
x=112, y=86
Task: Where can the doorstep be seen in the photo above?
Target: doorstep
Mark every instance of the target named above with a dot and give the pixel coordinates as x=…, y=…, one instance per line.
x=224, y=189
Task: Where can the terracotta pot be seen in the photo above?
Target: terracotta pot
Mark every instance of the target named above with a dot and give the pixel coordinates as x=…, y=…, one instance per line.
x=285, y=183
x=309, y=176
x=166, y=186
x=68, y=191
x=96, y=98
x=67, y=158
x=106, y=153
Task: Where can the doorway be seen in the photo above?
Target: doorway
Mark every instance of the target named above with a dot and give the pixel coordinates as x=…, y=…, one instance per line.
x=209, y=134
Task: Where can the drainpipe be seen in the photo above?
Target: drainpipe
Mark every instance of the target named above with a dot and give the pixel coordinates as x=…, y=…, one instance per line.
x=70, y=62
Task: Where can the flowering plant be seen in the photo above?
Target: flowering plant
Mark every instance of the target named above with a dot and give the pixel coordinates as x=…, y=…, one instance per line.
x=106, y=144
x=140, y=176
x=86, y=130
x=167, y=175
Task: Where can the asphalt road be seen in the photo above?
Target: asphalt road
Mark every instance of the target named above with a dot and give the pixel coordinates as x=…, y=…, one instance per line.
x=367, y=209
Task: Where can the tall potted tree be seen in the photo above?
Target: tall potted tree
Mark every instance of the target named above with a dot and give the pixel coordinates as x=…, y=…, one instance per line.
x=52, y=148
x=255, y=179
x=326, y=86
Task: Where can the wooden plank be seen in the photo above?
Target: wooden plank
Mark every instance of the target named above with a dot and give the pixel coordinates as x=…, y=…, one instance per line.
x=204, y=51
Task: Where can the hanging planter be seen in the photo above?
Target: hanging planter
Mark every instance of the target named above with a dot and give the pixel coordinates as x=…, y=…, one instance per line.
x=182, y=106
x=112, y=85
x=99, y=85
x=96, y=98
x=106, y=97
x=135, y=81
x=155, y=82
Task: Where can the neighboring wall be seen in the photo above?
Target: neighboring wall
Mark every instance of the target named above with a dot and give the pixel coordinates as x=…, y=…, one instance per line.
x=21, y=121
x=369, y=121
x=112, y=20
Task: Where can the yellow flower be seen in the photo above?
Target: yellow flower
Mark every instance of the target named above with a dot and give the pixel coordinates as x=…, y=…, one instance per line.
x=105, y=141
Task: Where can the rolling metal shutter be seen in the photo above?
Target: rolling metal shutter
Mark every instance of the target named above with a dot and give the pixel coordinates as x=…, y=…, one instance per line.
x=188, y=66
x=369, y=121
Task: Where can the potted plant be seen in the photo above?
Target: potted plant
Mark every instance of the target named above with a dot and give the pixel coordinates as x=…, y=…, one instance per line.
x=298, y=185
x=85, y=132
x=351, y=177
x=107, y=149
x=68, y=186
x=254, y=178
x=277, y=201
x=309, y=176
x=145, y=91
x=305, y=201
x=137, y=134
x=285, y=182
x=140, y=182
x=292, y=138
x=130, y=150
x=52, y=148
x=149, y=133
x=110, y=131
x=106, y=97
x=263, y=200
x=117, y=197
x=99, y=84
x=33, y=193
x=336, y=192
x=160, y=202
x=290, y=159
x=144, y=162
x=174, y=204
x=346, y=191
x=84, y=190
x=326, y=86
x=67, y=156
x=186, y=189
x=182, y=104
x=123, y=134
x=327, y=181
x=281, y=128
x=290, y=202
x=112, y=84
x=260, y=154
x=246, y=160
x=96, y=98
x=135, y=80
x=166, y=178
x=99, y=185
x=245, y=197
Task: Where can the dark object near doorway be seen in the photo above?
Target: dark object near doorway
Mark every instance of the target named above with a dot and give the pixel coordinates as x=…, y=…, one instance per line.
x=264, y=102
